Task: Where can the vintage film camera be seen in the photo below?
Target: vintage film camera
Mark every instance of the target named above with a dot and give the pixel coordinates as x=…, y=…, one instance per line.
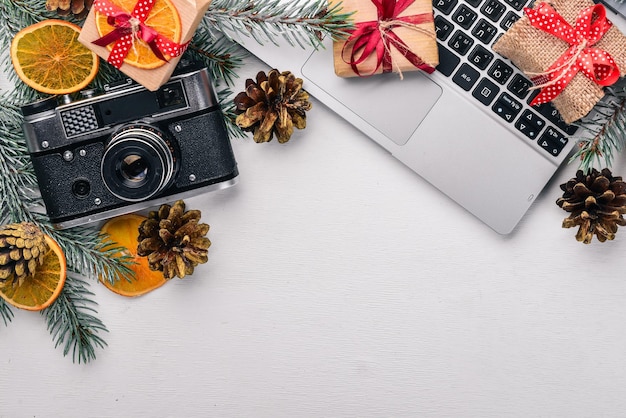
x=128, y=148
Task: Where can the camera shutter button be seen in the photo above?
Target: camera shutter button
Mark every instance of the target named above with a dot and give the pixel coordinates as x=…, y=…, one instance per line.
x=86, y=94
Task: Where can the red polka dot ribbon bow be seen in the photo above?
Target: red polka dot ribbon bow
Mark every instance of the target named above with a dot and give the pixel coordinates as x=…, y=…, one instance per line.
x=129, y=26
x=377, y=36
x=590, y=26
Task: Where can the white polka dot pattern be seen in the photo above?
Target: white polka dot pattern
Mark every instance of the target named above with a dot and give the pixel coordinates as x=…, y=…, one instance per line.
x=130, y=26
x=590, y=26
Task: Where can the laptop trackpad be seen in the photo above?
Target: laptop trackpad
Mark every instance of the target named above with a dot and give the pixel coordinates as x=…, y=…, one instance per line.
x=393, y=106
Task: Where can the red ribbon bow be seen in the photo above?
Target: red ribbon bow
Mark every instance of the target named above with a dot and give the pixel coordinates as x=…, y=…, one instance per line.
x=130, y=25
x=590, y=26
x=378, y=36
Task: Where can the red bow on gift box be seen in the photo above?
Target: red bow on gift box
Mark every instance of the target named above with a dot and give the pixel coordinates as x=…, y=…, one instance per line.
x=590, y=26
x=378, y=36
x=129, y=26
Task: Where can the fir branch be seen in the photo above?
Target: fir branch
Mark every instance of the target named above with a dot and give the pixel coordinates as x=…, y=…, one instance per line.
x=220, y=55
x=72, y=322
x=228, y=109
x=17, y=180
x=5, y=312
x=298, y=22
x=605, y=130
x=91, y=253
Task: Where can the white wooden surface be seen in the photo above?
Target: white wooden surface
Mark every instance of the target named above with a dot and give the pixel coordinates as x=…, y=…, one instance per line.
x=342, y=285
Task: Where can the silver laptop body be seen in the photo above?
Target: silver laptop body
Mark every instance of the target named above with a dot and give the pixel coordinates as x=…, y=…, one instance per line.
x=480, y=155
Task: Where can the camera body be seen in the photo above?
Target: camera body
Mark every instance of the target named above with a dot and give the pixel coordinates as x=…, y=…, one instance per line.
x=128, y=148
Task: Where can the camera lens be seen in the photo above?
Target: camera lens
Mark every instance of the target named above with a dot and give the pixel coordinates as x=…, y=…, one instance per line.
x=138, y=163
x=134, y=168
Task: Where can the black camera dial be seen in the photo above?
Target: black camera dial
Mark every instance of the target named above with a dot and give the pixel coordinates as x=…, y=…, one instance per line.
x=139, y=161
x=40, y=106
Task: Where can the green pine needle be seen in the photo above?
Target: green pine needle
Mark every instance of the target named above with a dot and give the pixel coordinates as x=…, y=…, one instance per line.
x=299, y=22
x=5, y=312
x=72, y=322
x=605, y=130
x=221, y=56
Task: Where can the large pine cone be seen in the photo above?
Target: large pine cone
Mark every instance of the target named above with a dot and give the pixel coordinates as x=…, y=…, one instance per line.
x=173, y=240
x=597, y=202
x=274, y=104
x=22, y=249
x=78, y=8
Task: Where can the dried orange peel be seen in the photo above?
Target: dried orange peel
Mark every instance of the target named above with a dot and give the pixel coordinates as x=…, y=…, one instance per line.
x=40, y=290
x=124, y=230
x=48, y=57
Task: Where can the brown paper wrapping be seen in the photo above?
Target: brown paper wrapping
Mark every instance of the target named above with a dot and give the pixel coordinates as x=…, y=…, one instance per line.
x=421, y=44
x=191, y=13
x=533, y=51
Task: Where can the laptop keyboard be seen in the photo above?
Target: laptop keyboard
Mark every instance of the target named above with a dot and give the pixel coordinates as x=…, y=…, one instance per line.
x=465, y=31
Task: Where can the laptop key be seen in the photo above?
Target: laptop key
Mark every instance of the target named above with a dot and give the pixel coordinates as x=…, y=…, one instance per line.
x=464, y=16
x=460, y=42
x=549, y=111
x=519, y=85
x=530, y=124
x=552, y=141
x=486, y=91
x=445, y=6
x=507, y=107
x=500, y=71
x=508, y=20
x=493, y=9
x=480, y=57
x=484, y=31
x=443, y=28
x=448, y=61
x=516, y=4
x=466, y=77
x=474, y=3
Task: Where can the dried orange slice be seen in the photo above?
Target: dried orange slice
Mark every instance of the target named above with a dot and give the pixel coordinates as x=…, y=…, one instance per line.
x=38, y=291
x=124, y=230
x=48, y=57
x=163, y=18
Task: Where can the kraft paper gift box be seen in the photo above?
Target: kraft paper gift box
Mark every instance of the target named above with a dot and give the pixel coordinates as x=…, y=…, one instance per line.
x=535, y=51
x=407, y=40
x=190, y=13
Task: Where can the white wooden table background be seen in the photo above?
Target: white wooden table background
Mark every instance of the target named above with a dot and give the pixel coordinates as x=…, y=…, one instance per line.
x=339, y=284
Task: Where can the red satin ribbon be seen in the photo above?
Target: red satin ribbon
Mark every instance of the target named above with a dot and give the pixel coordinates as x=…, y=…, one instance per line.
x=590, y=26
x=127, y=26
x=370, y=37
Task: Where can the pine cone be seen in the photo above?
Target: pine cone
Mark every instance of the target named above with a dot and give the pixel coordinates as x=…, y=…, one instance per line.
x=274, y=104
x=78, y=8
x=22, y=249
x=597, y=202
x=173, y=240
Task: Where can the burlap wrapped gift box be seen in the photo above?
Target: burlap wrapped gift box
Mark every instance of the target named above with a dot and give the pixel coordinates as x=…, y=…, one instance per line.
x=420, y=38
x=533, y=51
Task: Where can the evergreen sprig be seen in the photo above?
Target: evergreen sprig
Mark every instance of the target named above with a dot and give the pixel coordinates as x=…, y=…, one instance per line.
x=5, y=312
x=222, y=56
x=301, y=22
x=72, y=321
x=605, y=130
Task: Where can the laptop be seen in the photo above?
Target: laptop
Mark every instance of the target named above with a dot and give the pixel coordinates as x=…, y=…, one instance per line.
x=467, y=128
